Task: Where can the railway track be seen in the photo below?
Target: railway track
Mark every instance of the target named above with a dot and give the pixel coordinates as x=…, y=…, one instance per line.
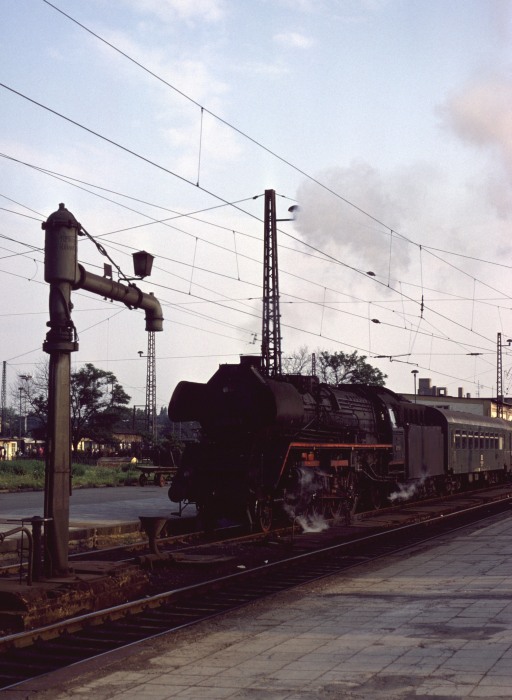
x=307, y=558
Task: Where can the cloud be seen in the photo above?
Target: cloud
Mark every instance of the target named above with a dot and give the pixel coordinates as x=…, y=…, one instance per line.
x=169, y=10
x=219, y=147
x=293, y=40
x=262, y=68
x=481, y=114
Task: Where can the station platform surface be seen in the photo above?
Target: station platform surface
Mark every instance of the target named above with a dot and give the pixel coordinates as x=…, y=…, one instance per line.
x=96, y=510
x=434, y=621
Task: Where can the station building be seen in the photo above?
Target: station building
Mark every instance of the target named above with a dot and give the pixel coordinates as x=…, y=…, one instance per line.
x=438, y=397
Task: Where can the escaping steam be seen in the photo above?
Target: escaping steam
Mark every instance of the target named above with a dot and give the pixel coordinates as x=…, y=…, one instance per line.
x=406, y=491
x=299, y=501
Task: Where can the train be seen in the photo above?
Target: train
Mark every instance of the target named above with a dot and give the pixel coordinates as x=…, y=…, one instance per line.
x=292, y=446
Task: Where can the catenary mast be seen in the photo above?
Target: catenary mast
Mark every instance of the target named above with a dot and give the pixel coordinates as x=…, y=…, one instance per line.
x=271, y=325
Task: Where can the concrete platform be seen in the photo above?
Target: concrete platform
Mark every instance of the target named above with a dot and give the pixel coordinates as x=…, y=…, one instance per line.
x=98, y=517
x=434, y=621
x=95, y=513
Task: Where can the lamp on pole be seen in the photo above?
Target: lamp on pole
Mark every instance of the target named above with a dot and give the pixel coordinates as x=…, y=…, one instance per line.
x=414, y=372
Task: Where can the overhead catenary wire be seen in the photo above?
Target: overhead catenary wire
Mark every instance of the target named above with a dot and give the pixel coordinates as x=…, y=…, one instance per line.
x=220, y=119
x=210, y=301
x=333, y=259
x=388, y=277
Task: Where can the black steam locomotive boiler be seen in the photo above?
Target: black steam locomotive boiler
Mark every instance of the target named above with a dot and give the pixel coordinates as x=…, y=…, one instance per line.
x=294, y=445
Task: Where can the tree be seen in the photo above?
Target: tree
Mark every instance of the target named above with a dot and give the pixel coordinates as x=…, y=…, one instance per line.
x=36, y=394
x=98, y=402
x=348, y=368
x=298, y=362
x=335, y=368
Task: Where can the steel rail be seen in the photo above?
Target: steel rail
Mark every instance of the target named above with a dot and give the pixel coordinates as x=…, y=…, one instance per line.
x=188, y=605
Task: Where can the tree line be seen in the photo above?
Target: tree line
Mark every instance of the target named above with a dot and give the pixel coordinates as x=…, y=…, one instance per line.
x=334, y=367
x=98, y=402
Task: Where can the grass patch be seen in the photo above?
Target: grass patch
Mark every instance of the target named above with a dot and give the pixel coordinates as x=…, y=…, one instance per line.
x=17, y=475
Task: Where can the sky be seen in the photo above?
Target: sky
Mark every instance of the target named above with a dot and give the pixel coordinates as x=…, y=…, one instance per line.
x=161, y=123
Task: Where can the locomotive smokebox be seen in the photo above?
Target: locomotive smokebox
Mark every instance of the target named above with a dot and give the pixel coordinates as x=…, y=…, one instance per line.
x=61, y=246
x=238, y=397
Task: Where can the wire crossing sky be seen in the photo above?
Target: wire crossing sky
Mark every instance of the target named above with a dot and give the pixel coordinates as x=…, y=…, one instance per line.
x=388, y=122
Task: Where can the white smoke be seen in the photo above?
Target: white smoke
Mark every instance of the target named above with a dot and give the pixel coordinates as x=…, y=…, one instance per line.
x=312, y=523
x=298, y=504
x=481, y=115
x=329, y=223
x=308, y=521
x=406, y=491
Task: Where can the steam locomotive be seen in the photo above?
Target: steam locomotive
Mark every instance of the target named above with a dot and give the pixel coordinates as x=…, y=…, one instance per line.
x=293, y=445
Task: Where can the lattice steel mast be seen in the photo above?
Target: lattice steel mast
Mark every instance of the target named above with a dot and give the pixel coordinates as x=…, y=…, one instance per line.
x=151, y=387
x=499, y=379
x=271, y=325
x=4, y=392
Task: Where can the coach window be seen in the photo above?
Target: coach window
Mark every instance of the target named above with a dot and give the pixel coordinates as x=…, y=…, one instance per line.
x=500, y=447
x=456, y=439
x=464, y=441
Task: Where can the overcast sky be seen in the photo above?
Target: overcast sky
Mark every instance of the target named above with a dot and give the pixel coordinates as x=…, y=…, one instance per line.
x=388, y=121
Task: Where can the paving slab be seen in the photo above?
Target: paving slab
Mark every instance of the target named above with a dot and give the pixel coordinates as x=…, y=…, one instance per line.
x=434, y=621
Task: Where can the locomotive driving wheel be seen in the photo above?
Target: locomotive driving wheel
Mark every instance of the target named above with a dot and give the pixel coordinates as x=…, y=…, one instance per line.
x=264, y=513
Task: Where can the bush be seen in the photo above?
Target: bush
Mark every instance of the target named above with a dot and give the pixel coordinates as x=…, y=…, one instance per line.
x=38, y=471
x=29, y=474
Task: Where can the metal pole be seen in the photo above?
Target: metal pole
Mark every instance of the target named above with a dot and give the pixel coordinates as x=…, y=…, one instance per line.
x=61, y=271
x=414, y=372
x=499, y=378
x=271, y=317
x=19, y=426
x=3, y=430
